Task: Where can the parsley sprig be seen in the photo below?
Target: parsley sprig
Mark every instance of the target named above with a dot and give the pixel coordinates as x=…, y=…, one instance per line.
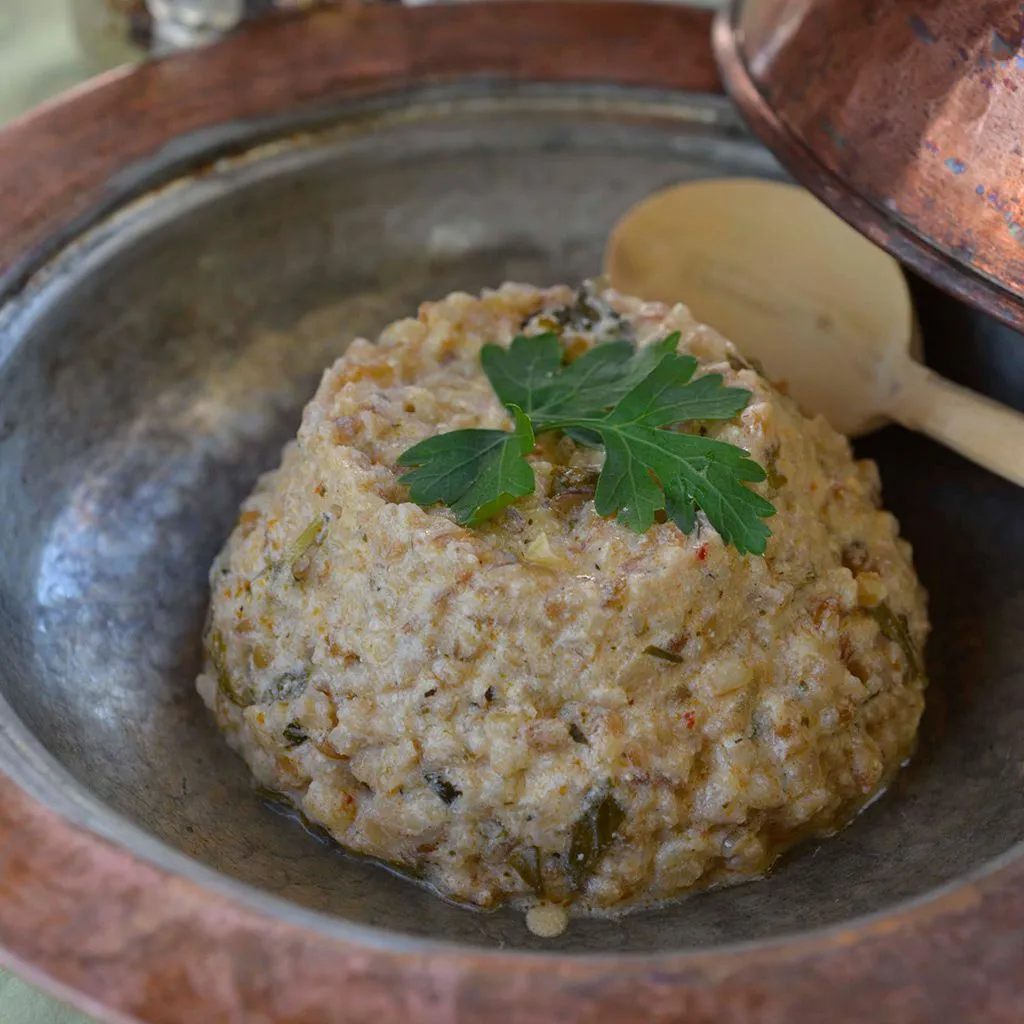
x=614, y=397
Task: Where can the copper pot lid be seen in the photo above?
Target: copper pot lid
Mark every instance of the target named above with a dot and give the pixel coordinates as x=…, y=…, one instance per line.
x=906, y=117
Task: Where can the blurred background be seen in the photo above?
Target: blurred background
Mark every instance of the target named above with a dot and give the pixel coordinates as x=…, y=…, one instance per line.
x=47, y=46
x=39, y=55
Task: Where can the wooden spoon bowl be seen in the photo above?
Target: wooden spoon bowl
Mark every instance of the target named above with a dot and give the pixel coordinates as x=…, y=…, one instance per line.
x=824, y=310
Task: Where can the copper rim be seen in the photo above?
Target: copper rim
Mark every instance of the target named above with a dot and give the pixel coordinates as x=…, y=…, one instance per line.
x=885, y=230
x=93, y=920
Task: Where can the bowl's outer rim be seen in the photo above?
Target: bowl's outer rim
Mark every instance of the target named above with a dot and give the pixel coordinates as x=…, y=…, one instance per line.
x=883, y=227
x=109, y=928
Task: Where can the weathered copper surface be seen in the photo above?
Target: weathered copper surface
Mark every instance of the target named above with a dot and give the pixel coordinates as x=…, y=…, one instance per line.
x=155, y=366
x=905, y=116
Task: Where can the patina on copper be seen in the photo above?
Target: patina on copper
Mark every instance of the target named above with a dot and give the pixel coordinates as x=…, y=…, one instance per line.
x=906, y=117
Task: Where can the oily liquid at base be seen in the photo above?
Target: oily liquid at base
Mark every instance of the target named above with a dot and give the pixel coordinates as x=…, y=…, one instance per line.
x=715, y=878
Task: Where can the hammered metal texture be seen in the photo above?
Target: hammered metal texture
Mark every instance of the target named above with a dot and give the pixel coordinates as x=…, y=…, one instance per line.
x=916, y=107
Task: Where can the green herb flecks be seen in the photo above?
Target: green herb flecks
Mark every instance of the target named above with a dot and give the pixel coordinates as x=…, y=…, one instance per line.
x=592, y=835
x=588, y=312
x=442, y=787
x=660, y=652
x=311, y=537
x=526, y=861
x=615, y=397
x=289, y=685
x=776, y=480
x=217, y=652
x=577, y=735
x=897, y=629
x=295, y=734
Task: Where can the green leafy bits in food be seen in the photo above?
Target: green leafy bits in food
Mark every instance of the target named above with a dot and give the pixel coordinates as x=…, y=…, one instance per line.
x=897, y=629
x=295, y=734
x=526, y=862
x=617, y=398
x=289, y=685
x=217, y=652
x=587, y=312
x=660, y=652
x=592, y=835
x=442, y=787
x=312, y=535
x=577, y=734
x=776, y=480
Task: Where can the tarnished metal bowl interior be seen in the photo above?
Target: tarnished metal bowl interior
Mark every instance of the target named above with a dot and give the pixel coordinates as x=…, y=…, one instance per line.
x=156, y=366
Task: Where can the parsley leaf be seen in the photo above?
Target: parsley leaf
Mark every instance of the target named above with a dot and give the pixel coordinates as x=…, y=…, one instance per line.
x=666, y=395
x=616, y=397
x=521, y=373
x=530, y=374
x=692, y=471
x=476, y=472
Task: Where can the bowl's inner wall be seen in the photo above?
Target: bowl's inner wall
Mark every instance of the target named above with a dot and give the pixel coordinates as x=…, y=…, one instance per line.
x=161, y=368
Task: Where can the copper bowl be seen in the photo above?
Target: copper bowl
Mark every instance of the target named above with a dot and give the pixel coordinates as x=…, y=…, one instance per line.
x=904, y=116
x=183, y=247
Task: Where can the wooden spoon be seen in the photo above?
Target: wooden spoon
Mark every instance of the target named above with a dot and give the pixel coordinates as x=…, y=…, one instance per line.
x=821, y=307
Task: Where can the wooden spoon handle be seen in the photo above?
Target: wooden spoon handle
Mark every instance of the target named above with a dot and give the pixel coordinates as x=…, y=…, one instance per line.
x=980, y=429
